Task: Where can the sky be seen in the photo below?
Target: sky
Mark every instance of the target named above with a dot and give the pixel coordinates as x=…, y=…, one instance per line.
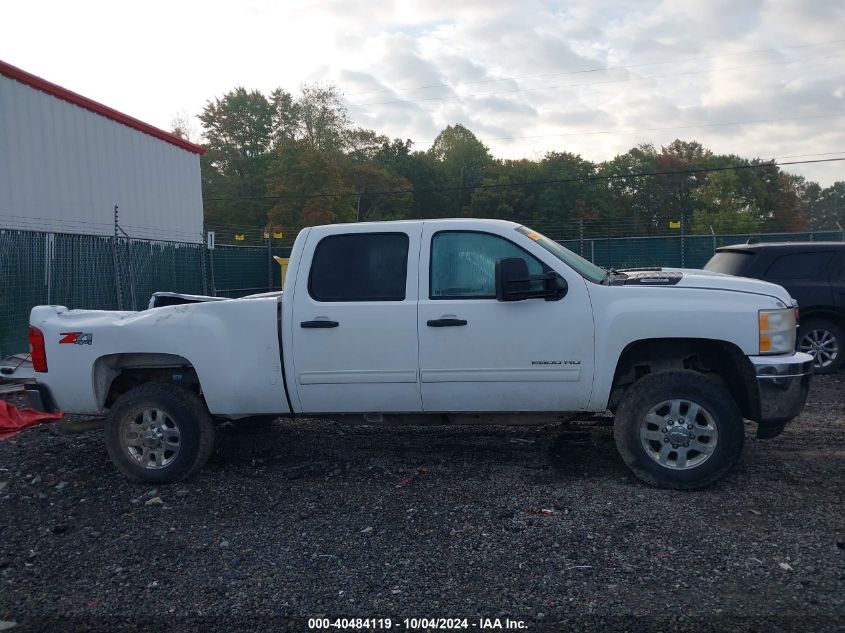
x=593, y=77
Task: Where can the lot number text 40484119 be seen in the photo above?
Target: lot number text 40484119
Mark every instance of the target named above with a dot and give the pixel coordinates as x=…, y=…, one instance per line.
x=415, y=624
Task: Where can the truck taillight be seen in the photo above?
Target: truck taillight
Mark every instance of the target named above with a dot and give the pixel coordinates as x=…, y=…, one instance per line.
x=37, y=352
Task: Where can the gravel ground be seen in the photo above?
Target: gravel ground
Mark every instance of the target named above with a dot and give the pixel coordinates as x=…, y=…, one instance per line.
x=315, y=518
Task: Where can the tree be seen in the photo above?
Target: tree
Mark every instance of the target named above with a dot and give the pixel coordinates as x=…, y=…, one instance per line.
x=381, y=195
x=299, y=158
x=237, y=129
x=501, y=194
x=182, y=126
x=323, y=120
x=825, y=208
x=309, y=187
x=463, y=160
x=421, y=170
x=722, y=207
x=636, y=203
x=363, y=145
x=566, y=203
x=286, y=120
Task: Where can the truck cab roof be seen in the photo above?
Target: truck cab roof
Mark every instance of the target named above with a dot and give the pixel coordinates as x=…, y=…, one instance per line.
x=388, y=223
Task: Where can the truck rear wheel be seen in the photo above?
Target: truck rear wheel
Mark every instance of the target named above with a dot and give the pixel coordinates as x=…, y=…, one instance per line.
x=679, y=429
x=159, y=433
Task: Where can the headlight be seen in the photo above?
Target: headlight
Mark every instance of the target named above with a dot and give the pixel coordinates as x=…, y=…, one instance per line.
x=777, y=331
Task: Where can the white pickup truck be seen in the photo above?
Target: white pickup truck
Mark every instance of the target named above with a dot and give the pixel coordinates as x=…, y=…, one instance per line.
x=462, y=321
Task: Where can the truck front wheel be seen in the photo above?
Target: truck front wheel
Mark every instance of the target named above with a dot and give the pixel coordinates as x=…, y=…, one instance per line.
x=159, y=433
x=679, y=429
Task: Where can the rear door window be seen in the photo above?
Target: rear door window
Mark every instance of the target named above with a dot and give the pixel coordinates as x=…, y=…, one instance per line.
x=360, y=267
x=800, y=266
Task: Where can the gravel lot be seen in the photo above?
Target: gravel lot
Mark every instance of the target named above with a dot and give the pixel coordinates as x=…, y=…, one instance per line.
x=312, y=518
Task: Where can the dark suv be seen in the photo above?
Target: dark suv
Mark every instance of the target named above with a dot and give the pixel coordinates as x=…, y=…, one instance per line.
x=814, y=274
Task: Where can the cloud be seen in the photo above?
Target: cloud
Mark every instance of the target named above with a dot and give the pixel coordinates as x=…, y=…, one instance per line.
x=531, y=71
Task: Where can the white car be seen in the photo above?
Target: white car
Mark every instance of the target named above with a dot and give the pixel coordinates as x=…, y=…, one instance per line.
x=462, y=320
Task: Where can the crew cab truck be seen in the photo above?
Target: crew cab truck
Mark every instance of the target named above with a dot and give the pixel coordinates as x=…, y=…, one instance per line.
x=462, y=321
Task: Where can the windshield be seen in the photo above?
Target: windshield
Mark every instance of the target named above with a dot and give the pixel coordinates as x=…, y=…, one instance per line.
x=583, y=267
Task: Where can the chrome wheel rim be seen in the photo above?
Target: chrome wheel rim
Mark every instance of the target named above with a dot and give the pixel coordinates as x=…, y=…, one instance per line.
x=822, y=346
x=151, y=438
x=679, y=434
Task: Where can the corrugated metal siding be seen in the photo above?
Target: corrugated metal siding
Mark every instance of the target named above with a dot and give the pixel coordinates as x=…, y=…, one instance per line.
x=63, y=168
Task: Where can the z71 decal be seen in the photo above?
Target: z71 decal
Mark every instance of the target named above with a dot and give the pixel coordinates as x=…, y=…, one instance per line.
x=76, y=338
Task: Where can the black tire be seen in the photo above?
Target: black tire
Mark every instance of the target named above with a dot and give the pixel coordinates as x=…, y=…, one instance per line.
x=654, y=389
x=819, y=326
x=188, y=414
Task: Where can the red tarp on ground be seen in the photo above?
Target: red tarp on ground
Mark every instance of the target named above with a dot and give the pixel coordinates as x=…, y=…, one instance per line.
x=14, y=420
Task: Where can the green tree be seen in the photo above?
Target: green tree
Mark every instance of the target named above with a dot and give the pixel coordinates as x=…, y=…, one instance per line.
x=824, y=208
x=381, y=195
x=286, y=121
x=323, y=121
x=722, y=207
x=501, y=194
x=561, y=206
x=309, y=186
x=463, y=160
x=421, y=170
x=237, y=129
x=636, y=203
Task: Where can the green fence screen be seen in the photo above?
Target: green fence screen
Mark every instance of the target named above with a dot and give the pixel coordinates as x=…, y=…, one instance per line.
x=86, y=271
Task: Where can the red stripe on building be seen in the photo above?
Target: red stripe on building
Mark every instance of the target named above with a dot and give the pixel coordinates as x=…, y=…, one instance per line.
x=64, y=94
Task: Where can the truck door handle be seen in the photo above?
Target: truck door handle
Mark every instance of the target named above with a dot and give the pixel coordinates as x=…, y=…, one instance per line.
x=445, y=322
x=322, y=323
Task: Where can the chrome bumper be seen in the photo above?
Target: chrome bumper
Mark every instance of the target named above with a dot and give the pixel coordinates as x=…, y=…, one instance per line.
x=783, y=382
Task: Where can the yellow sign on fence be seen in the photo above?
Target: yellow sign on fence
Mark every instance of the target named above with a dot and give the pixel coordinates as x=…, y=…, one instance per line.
x=674, y=225
x=239, y=237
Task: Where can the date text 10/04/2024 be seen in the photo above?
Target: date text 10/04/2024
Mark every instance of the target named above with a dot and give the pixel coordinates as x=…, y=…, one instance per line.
x=411, y=624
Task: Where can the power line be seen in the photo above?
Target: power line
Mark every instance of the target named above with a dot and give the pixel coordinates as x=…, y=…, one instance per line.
x=601, y=69
x=815, y=154
x=592, y=83
x=589, y=178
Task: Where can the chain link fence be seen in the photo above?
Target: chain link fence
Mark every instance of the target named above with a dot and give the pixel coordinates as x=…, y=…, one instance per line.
x=676, y=251
x=87, y=271
x=104, y=273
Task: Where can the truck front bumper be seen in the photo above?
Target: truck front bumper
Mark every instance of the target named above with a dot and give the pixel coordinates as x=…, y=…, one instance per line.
x=783, y=382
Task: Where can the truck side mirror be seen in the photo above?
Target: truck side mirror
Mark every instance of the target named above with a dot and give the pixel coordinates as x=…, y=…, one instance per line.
x=511, y=279
x=513, y=283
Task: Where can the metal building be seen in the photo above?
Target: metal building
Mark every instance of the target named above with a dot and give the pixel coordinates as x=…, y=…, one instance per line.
x=66, y=161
